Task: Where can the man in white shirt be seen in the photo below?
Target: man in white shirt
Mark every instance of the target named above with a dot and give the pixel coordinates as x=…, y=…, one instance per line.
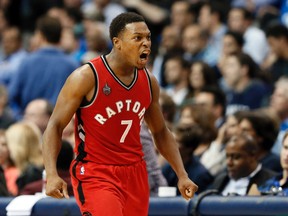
x=243, y=168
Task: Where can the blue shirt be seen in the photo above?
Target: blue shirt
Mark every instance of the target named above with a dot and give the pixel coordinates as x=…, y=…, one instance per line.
x=272, y=186
x=40, y=75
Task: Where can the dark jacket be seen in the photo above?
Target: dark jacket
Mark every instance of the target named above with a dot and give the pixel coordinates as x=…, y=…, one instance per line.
x=222, y=179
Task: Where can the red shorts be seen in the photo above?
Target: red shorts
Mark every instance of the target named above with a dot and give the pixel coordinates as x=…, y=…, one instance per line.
x=108, y=190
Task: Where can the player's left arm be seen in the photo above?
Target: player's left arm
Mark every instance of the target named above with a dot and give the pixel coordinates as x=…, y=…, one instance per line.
x=165, y=142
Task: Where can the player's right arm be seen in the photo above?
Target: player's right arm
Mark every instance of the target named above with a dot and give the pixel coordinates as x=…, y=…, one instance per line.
x=79, y=84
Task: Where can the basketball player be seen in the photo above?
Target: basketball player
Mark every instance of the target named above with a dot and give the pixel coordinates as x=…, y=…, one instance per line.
x=111, y=96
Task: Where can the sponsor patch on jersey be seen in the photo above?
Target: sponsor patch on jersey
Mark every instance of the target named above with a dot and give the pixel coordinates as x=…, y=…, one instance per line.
x=106, y=89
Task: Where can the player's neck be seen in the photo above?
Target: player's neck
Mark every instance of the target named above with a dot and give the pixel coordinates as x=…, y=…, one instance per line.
x=118, y=65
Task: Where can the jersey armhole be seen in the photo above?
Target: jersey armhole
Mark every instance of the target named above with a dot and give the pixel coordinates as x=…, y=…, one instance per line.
x=150, y=84
x=85, y=102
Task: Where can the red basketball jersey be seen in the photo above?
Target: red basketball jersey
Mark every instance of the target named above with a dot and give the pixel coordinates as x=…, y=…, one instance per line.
x=108, y=128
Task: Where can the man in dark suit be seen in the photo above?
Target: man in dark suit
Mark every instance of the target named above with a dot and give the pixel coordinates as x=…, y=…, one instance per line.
x=243, y=168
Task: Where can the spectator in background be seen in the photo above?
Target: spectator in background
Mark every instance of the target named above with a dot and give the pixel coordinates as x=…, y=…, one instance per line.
x=183, y=13
x=176, y=74
x=243, y=88
x=188, y=138
x=198, y=115
x=3, y=25
x=14, y=54
x=44, y=71
x=255, y=43
x=7, y=166
x=24, y=143
x=214, y=99
x=97, y=41
x=64, y=159
x=104, y=9
x=195, y=45
x=6, y=115
x=156, y=14
x=70, y=44
x=243, y=168
x=170, y=43
x=262, y=127
x=72, y=40
x=278, y=184
x=212, y=18
x=216, y=149
x=279, y=105
x=38, y=111
x=200, y=76
x=277, y=62
x=168, y=108
x=253, y=5
x=232, y=43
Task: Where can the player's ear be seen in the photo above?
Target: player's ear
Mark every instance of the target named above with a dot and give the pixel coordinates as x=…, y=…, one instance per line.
x=116, y=42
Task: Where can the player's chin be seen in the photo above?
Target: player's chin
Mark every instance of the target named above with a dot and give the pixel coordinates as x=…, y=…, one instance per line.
x=140, y=66
x=141, y=63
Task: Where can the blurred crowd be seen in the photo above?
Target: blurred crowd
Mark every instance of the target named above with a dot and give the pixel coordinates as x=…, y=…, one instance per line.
x=222, y=66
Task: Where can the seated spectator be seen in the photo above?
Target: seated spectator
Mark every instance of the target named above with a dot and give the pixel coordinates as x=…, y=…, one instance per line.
x=176, y=74
x=200, y=75
x=243, y=168
x=255, y=44
x=38, y=111
x=14, y=54
x=277, y=62
x=170, y=42
x=232, y=43
x=279, y=105
x=11, y=172
x=201, y=116
x=278, y=184
x=214, y=99
x=189, y=137
x=168, y=108
x=64, y=160
x=217, y=147
x=24, y=143
x=241, y=83
x=260, y=125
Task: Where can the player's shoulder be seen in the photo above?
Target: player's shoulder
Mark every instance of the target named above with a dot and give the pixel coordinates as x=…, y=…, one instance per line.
x=83, y=73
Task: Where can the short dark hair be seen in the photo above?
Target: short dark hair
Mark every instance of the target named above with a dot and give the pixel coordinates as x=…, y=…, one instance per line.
x=246, y=59
x=218, y=94
x=238, y=37
x=119, y=22
x=277, y=31
x=190, y=136
x=50, y=27
x=264, y=127
x=247, y=15
x=250, y=146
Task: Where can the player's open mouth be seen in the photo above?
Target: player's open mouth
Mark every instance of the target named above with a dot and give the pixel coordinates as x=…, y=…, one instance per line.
x=144, y=56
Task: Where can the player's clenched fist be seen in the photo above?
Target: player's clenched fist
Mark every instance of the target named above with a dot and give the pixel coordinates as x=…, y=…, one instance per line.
x=187, y=187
